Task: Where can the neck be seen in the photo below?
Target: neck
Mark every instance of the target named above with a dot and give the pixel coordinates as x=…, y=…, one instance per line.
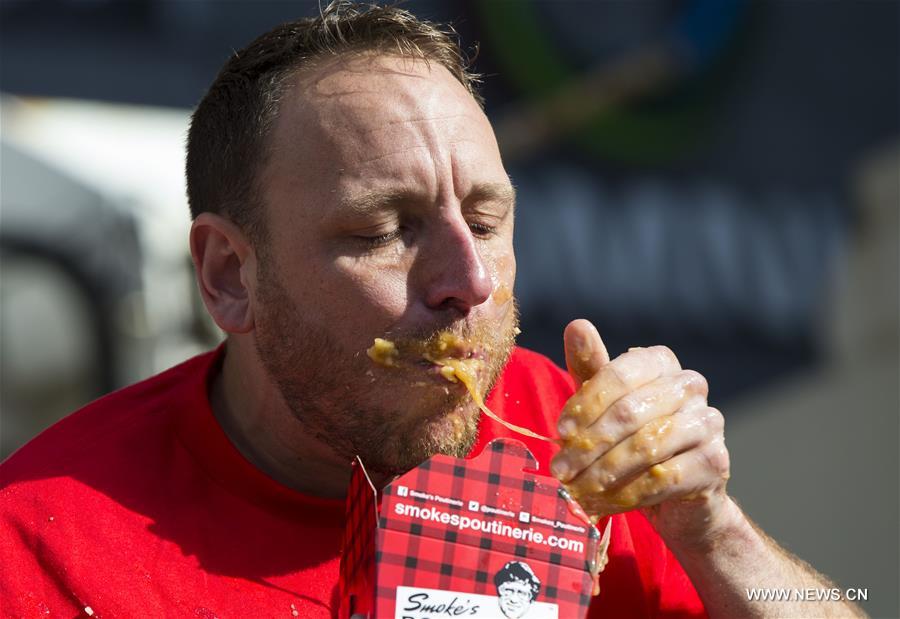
x=258, y=422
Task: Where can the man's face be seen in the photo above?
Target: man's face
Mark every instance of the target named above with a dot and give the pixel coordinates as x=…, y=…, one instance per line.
x=389, y=214
x=515, y=598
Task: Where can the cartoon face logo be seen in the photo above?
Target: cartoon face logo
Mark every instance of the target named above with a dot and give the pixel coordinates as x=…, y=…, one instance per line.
x=517, y=588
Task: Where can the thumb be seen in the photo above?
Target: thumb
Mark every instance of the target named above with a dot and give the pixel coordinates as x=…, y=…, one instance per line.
x=585, y=351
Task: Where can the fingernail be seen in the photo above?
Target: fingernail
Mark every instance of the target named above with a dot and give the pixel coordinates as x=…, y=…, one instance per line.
x=566, y=428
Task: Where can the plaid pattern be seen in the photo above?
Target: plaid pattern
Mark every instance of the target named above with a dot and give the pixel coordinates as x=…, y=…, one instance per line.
x=357, y=574
x=494, y=479
x=433, y=551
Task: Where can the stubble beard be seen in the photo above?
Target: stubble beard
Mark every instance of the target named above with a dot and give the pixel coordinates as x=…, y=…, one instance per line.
x=354, y=407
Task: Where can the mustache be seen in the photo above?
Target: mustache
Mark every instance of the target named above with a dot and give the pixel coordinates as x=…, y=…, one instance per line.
x=469, y=333
x=431, y=334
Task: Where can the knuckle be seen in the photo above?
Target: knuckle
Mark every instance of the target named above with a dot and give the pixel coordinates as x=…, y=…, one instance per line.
x=665, y=355
x=694, y=381
x=662, y=350
x=715, y=420
x=623, y=412
x=716, y=457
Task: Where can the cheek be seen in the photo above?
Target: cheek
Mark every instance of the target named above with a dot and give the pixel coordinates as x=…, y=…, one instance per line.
x=366, y=296
x=385, y=295
x=504, y=277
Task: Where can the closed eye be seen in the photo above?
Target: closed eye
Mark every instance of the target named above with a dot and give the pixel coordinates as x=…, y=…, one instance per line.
x=381, y=240
x=482, y=230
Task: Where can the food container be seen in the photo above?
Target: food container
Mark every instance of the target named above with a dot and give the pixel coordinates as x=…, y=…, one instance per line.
x=484, y=537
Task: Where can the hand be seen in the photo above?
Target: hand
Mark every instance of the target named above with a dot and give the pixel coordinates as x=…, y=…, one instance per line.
x=639, y=433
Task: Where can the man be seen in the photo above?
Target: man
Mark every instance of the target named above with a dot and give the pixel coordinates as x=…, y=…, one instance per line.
x=345, y=185
x=517, y=588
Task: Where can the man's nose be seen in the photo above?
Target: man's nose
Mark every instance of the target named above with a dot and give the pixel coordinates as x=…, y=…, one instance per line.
x=455, y=274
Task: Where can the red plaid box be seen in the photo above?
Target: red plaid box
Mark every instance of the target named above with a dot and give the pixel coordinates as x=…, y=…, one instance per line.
x=467, y=538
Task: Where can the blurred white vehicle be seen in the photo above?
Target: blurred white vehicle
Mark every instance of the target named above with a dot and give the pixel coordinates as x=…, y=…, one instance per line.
x=96, y=285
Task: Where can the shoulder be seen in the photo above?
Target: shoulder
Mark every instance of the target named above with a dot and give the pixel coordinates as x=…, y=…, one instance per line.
x=115, y=424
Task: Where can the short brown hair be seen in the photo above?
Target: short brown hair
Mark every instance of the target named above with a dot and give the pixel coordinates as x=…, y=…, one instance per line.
x=226, y=144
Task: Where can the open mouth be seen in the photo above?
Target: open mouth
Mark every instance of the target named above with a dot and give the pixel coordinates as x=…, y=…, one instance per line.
x=447, y=356
x=440, y=351
x=452, y=359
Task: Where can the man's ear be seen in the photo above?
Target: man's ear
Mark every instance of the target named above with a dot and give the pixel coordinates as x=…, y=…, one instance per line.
x=225, y=264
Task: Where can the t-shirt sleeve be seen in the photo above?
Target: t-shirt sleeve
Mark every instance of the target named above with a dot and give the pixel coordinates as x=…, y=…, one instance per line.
x=643, y=578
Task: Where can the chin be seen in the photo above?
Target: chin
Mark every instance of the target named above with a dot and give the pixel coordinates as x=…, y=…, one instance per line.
x=450, y=433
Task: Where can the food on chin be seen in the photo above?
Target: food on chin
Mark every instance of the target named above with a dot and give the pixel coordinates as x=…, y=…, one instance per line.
x=457, y=362
x=383, y=352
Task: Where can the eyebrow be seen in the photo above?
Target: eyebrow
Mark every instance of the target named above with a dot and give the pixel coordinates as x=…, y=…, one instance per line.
x=493, y=192
x=374, y=201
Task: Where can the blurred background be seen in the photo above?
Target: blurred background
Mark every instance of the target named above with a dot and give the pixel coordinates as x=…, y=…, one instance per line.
x=717, y=175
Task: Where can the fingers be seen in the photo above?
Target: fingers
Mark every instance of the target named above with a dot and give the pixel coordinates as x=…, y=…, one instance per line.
x=681, y=477
x=638, y=432
x=626, y=416
x=585, y=351
x=627, y=372
x=658, y=441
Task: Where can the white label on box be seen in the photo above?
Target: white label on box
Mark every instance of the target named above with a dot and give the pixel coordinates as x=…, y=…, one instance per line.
x=421, y=603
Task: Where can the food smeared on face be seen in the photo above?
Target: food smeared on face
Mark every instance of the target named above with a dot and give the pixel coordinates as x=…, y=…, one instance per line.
x=383, y=352
x=458, y=362
x=502, y=293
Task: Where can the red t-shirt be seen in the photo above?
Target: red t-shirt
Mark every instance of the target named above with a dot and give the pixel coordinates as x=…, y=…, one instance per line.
x=139, y=505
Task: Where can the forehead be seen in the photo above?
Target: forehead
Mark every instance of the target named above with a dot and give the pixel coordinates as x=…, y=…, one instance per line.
x=367, y=123
x=379, y=89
